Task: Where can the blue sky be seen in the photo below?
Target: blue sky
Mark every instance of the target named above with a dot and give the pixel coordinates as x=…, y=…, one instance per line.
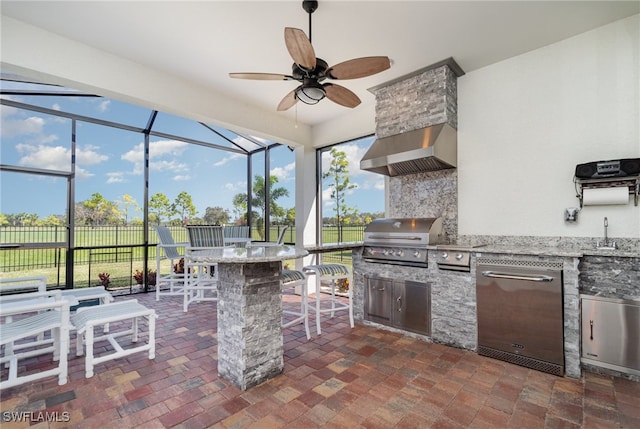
x=110, y=161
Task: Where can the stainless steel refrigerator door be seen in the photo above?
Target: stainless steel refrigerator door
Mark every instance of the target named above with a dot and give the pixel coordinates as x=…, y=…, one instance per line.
x=520, y=311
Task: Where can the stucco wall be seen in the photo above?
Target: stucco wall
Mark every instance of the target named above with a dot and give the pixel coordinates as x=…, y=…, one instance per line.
x=524, y=124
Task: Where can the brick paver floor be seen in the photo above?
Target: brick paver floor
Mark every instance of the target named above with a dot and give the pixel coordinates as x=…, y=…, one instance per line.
x=345, y=378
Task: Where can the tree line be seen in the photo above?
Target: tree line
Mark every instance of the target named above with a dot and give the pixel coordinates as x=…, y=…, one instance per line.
x=98, y=211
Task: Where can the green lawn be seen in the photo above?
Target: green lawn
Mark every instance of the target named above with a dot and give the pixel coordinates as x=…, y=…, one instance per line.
x=121, y=266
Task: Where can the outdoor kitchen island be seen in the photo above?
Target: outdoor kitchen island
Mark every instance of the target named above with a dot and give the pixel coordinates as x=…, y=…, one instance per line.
x=250, y=343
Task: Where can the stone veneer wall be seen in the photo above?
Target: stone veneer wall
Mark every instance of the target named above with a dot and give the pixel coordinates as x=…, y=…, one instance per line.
x=250, y=344
x=429, y=98
x=432, y=194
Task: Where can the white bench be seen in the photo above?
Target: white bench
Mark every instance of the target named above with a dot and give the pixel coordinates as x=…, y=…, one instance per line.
x=87, y=318
x=35, y=319
x=89, y=294
x=17, y=288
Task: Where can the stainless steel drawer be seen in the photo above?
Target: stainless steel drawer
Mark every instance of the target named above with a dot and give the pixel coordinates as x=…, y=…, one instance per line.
x=611, y=333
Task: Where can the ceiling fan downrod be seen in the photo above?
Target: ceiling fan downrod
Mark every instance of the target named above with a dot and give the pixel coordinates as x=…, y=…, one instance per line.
x=310, y=6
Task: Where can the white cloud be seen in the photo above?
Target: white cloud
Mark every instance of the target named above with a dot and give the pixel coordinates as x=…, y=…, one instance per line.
x=327, y=201
x=157, y=150
x=59, y=158
x=181, y=178
x=283, y=173
x=81, y=173
x=116, y=177
x=227, y=159
x=353, y=155
x=22, y=127
x=236, y=187
x=14, y=124
x=40, y=156
x=104, y=105
x=372, y=181
x=172, y=166
x=88, y=155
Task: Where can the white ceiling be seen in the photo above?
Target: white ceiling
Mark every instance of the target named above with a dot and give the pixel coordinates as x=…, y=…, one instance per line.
x=203, y=41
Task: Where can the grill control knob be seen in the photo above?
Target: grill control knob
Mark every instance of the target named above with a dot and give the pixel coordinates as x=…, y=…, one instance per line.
x=400, y=253
x=385, y=252
x=416, y=253
x=444, y=255
x=459, y=256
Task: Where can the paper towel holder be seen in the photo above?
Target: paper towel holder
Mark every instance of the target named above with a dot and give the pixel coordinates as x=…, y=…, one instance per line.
x=633, y=183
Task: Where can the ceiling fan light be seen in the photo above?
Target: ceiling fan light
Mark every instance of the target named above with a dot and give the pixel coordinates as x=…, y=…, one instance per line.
x=311, y=94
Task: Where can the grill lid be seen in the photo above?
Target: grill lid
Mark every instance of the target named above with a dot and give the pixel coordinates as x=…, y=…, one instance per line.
x=404, y=232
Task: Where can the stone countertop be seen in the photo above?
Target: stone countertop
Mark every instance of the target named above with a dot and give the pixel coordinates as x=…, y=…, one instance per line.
x=571, y=252
x=550, y=251
x=332, y=247
x=253, y=254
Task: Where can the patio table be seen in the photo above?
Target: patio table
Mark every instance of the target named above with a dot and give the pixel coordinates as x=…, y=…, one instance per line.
x=250, y=343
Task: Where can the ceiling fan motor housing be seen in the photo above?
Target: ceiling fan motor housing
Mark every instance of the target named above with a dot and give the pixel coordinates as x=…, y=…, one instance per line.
x=299, y=73
x=310, y=6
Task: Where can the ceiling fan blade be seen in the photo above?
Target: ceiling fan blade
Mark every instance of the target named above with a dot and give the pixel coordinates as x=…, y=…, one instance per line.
x=260, y=76
x=300, y=48
x=288, y=101
x=358, y=67
x=341, y=95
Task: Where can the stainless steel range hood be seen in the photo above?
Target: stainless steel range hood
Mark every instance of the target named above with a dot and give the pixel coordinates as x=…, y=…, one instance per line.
x=426, y=149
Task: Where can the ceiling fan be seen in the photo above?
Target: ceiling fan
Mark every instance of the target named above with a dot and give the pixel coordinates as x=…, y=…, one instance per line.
x=311, y=71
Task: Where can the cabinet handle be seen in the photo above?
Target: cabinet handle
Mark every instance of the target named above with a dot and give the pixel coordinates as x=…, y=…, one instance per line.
x=591, y=326
x=540, y=278
x=381, y=289
x=399, y=300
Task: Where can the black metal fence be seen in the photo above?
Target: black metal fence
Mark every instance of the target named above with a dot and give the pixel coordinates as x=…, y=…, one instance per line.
x=29, y=248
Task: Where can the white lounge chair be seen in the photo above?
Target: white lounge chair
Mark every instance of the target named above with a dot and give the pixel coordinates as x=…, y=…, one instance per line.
x=168, y=250
x=202, y=278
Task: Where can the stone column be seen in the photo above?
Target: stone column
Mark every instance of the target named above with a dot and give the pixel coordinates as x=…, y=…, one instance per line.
x=250, y=344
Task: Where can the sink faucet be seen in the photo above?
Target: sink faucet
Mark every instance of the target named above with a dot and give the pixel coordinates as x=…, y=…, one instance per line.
x=606, y=245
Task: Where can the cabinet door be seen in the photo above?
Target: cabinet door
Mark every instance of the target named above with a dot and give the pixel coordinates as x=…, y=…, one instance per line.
x=611, y=333
x=378, y=299
x=412, y=307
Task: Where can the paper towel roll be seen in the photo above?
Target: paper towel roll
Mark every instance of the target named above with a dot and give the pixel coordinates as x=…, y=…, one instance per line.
x=605, y=196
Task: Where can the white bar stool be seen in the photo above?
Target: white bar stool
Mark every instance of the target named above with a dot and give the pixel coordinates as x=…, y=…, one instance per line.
x=331, y=272
x=292, y=279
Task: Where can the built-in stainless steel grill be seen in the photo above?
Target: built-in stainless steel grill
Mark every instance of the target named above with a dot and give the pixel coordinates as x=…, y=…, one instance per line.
x=401, y=241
